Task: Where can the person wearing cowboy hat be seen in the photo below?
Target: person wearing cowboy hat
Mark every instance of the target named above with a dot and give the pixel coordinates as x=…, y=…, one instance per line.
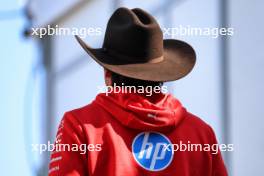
x=130, y=133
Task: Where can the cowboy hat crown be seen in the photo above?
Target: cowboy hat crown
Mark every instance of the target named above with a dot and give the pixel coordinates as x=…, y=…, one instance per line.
x=133, y=36
x=134, y=47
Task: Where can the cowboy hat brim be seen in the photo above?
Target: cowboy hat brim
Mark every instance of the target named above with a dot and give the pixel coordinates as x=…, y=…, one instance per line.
x=178, y=60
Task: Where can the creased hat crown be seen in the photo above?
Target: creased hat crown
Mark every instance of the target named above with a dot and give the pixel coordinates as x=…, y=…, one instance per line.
x=133, y=36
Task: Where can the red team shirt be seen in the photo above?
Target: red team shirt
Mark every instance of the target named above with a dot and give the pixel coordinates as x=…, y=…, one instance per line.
x=134, y=135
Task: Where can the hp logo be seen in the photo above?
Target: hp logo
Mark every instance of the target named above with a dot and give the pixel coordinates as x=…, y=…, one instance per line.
x=149, y=151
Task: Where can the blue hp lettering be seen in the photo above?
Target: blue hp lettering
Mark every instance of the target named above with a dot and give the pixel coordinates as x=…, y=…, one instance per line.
x=149, y=151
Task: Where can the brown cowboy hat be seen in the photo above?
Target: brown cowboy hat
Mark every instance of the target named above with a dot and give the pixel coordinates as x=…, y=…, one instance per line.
x=134, y=47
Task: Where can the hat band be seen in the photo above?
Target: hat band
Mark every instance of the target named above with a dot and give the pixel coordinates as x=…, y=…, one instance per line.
x=156, y=60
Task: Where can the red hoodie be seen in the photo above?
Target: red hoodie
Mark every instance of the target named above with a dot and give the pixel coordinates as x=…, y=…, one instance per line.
x=134, y=135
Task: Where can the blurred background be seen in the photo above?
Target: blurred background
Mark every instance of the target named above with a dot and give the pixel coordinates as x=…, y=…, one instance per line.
x=41, y=78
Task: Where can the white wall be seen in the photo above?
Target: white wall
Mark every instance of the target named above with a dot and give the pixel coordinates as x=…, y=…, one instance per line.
x=247, y=86
x=55, y=9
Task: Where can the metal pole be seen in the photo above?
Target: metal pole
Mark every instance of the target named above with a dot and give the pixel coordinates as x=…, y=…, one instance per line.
x=48, y=101
x=225, y=94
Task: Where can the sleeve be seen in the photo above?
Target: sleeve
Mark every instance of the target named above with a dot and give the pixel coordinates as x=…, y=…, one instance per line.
x=66, y=159
x=218, y=165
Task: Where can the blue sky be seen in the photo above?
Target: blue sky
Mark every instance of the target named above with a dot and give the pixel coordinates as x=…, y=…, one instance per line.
x=16, y=58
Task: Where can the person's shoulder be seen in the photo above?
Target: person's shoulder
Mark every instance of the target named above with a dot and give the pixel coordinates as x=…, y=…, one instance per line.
x=84, y=110
x=87, y=114
x=193, y=119
x=197, y=124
